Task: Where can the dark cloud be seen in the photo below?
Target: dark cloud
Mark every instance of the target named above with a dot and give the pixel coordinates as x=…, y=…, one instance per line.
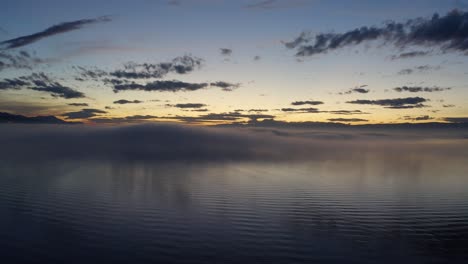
x=361, y=89
x=347, y=120
x=257, y=58
x=120, y=120
x=20, y=119
x=132, y=70
x=12, y=84
x=302, y=110
x=180, y=65
x=78, y=104
x=398, y=103
x=448, y=105
x=418, y=118
x=421, y=68
x=123, y=101
x=257, y=110
x=456, y=119
x=83, y=113
x=188, y=105
x=173, y=86
x=92, y=73
x=213, y=117
x=225, y=51
x=449, y=33
x=60, y=91
x=161, y=86
x=198, y=110
x=411, y=54
x=18, y=60
x=53, y=30
x=225, y=86
x=302, y=38
x=41, y=82
x=347, y=112
x=310, y=102
x=417, y=89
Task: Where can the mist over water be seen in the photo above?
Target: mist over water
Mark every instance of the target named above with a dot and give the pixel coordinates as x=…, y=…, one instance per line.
x=299, y=198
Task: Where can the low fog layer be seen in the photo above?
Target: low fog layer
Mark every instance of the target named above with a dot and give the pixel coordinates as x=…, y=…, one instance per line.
x=164, y=142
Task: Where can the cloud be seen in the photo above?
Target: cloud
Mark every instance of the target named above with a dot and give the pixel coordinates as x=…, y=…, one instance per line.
x=132, y=70
x=12, y=84
x=78, y=104
x=43, y=83
x=418, y=118
x=257, y=110
x=225, y=86
x=225, y=51
x=347, y=120
x=347, y=112
x=410, y=54
x=173, y=86
x=123, y=101
x=121, y=120
x=188, y=105
x=310, y=102
x=180, y=65
x=231, y=116
x=18, y=60
x=83, y=113
x=53, y=30
x=361, y=89
x=448, y=105
x=20, y=119
x=257, y=58
x=416, y=89
x=448, y=33
x=301, y=110
x=421, y=68
x=93, y=73
x=60, y=91
x=456, y=119
x=161, y=86
x=398, y=103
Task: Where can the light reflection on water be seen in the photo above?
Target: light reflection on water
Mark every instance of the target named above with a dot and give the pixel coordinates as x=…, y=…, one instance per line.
x=378, y=209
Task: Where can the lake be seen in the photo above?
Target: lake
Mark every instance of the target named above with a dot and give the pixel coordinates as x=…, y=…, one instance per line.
x=376, y=209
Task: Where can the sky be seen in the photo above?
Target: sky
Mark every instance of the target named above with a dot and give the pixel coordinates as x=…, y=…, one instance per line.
x=215, y=61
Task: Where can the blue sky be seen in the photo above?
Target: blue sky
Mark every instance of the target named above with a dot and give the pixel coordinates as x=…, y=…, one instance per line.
x=158, y=31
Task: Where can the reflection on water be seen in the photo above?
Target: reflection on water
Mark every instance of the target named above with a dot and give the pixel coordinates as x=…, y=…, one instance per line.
x=377, y=210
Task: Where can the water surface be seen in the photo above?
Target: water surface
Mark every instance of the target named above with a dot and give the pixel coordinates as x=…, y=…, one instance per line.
x=372, y=210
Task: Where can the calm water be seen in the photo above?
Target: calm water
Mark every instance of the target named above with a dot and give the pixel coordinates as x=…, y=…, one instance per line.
x=377, y=210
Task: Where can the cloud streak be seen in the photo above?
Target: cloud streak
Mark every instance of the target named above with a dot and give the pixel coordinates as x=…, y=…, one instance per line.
x=42, y=83
x=448, y=33
x=310, y=102
x=352, y=120
x=51, y=31
x=172, y=86
x=83, y=113
x=18, y=60
x=398, y=103
x=123, y=101
x=417, y=89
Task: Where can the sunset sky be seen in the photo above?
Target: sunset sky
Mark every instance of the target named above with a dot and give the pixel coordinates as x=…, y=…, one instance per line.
x=215, y=61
